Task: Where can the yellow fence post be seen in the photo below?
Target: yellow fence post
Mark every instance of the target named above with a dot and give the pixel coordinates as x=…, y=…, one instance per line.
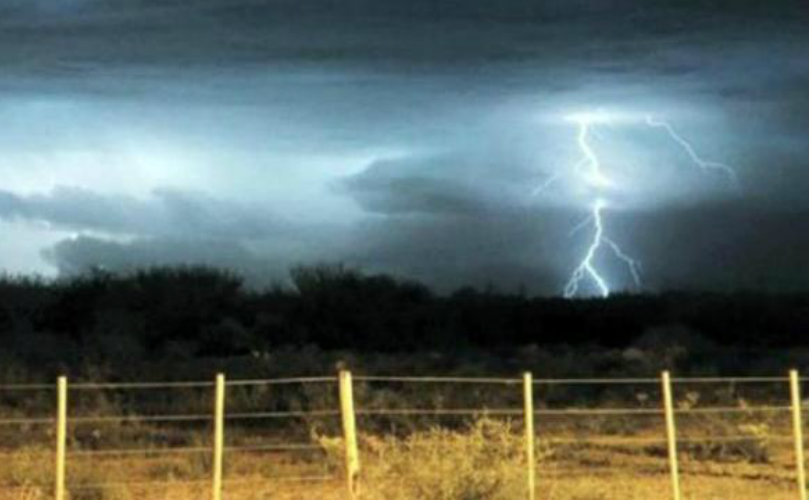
x=218, y=436
x=797, y=429
x=352, y=458
x=61, y=437
x=528, y=401
x=671, y=435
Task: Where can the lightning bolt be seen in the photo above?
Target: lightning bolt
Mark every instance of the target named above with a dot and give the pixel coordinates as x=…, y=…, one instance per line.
x=546, y=184
x=689, y=149
x=589, y=170
x=589, y=167
x=594, y=176
x=586, y=268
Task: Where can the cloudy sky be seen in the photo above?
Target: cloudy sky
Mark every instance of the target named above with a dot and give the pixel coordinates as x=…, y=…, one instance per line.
x=408, y=137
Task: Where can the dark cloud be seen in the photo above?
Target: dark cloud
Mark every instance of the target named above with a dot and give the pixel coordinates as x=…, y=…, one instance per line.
x=720, y=246
x=74, y=36
x=81, y=254
x=460, y=183
x=449, y=251
x=458, y=218
x=455, y=109
x=166, y=212
x=706, y=247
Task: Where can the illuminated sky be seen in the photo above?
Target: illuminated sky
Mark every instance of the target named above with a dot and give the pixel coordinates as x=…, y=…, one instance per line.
x=403, y=136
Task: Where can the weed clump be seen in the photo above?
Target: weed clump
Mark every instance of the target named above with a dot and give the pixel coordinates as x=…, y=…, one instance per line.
x=483, y=461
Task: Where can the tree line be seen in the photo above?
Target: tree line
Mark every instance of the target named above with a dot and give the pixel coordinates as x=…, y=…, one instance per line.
x=194, y=312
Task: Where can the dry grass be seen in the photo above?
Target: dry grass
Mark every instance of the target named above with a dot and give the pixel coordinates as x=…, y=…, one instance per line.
x=412, y=458
x=481, y=460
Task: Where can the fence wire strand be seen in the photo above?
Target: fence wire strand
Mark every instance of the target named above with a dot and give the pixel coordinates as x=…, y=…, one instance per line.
x=190, y=450
x=439, y=380
x=280, y=381
x=197, y=417
x=80, y=386
x=280, y=414
x=27, y=421
x=175, y=482
x=27, y=387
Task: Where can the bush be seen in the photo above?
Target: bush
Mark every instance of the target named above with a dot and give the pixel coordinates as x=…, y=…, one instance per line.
x=751, y=445
x=485, y=461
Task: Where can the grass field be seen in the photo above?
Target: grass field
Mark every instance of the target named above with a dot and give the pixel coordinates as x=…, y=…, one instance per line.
x=433, y=465
x=743, y=453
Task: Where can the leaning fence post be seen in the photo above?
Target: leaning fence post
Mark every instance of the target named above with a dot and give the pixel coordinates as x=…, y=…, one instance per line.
x=797, y=430
x=61, y=437
x=671, y=435
x=528, y=402
x=218, y=436
x=352, y=458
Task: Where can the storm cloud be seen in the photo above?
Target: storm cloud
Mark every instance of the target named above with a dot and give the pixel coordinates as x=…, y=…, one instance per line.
x=165, y=213
x=406, y=137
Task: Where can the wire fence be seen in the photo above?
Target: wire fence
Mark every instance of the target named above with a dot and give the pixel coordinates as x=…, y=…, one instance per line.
x=222, y=435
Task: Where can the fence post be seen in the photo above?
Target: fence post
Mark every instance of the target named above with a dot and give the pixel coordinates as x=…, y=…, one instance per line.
x=61, y=437
x=218, y=436
x=528, y=401
x=352, y=458
x=671, y=435
x=797, y=430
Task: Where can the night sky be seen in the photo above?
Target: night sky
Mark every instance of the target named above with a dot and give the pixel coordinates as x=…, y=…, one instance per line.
x=407, y=137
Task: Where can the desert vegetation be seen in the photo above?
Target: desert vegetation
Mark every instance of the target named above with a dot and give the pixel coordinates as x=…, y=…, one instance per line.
x=475, y=458
x=201, y=317
x=185, y=324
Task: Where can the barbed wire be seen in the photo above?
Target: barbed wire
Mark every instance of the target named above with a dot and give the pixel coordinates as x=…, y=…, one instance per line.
x=119, y=484
x=430, y=380
x=732, y=380
x=28, y=451
x=274, y=447
x=733, y=409
x=734, y=438
x=436, y=411
x=27, y=387
x=394, y=411
x=281, y=414
x=79, y=386
x=198, y=417
x=190, y=450
x=379, y=412
x=504, y=411
x=604, y=441
x=619, y=441
x=281, y=479
x=566, y=411
x=159, y=453
x=176, y=482
x=27, y=421
x=599, y=411
x=386, y=378
x=280, y=381
x=595, y=381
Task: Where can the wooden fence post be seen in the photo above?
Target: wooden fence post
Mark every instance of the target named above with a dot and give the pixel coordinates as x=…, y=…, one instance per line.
x=671, y=435
x=528, y=402
x=352, y=458
x=61, y=437
x=218, y=437
x=797, y=430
